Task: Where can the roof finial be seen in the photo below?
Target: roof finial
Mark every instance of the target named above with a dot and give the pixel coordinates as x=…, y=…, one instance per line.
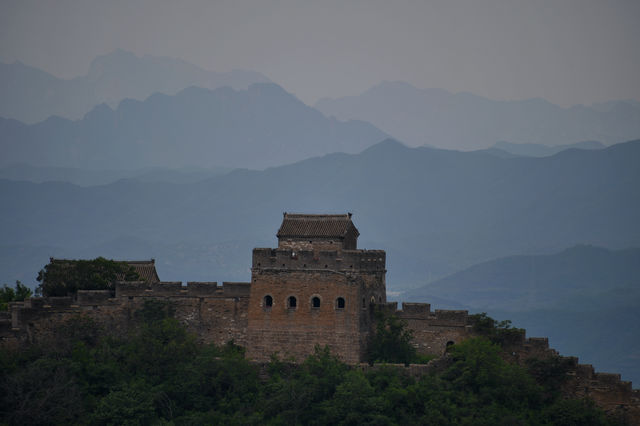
x=349, y=213
x=284, y=214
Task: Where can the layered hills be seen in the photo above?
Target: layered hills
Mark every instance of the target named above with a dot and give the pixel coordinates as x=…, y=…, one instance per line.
x=470, y=122
x=258, y=127
x=585, y=299
x=30, y=95
x=436, y=212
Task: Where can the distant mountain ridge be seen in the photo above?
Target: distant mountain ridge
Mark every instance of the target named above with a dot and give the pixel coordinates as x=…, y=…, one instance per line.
x=584, y=298
x=539, y=150
x=470, y=122
x=259, y=127
x=434, y=211
x=30, y=95
x=575, y=278
x=83, y=177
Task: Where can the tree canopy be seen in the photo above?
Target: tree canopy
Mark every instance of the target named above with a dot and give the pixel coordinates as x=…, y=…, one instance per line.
x=17, y=294
x=159, y=374
x=64, y=277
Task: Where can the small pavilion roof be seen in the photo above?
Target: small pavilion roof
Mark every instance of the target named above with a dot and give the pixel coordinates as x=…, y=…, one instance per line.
x=316, y=226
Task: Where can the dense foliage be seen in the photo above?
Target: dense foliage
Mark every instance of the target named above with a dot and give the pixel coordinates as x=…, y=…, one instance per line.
x=17, y=294
x=159, y=374
x=500, y=332
x=392, y=342
x=60, y=278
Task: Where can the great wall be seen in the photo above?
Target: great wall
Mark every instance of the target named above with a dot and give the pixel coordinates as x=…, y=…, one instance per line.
x=315, y=288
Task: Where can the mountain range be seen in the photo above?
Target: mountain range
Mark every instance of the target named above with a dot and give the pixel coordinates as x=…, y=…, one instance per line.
x=540, y=150
x=31, y=95
x=469, y=122
x=585, y=299
x=259, y=127
x=434, y=211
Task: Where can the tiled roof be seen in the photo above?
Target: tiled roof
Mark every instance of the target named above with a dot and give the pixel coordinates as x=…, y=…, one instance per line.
x=316, y=225
x=146, y=269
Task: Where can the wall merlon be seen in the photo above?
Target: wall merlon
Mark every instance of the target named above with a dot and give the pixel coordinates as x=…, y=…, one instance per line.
x=608, y=378
x=538, y=342
x=340, y=260
x=416, y=308
x=131, y=288
x=236, y=289
x=389, y=307
x=450, y=317
x=203, y=288
x=167, y=288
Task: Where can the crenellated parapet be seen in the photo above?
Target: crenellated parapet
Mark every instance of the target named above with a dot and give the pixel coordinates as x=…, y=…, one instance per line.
x=331, y=260
x=214, y=312
x=422, y=311
x=177, y=289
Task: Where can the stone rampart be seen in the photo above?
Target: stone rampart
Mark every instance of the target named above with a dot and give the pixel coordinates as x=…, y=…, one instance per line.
x=432, y=331
x=215, y=313
x=343, y=260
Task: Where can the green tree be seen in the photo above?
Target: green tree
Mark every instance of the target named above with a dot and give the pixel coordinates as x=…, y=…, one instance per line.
x=392, y=341
x=131, y=404
x=17, y=294
x=61, y=278
x=500, y=332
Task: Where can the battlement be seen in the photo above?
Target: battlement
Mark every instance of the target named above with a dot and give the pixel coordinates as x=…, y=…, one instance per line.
x=417, y=311
x=176, y=289
x=334, y=260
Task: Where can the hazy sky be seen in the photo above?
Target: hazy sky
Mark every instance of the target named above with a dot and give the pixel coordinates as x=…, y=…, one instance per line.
x=567, y=51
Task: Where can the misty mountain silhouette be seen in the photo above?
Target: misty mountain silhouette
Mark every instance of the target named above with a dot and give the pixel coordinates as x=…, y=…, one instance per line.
x=582, y=298
x=434, y=211
x=466, y=121
x=259, y=127
x=31, y=95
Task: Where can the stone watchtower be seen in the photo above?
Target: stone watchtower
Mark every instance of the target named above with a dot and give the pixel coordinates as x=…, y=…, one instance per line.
x=315, y=288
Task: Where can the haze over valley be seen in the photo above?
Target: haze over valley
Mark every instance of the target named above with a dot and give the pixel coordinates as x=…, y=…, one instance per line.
x=496, y=161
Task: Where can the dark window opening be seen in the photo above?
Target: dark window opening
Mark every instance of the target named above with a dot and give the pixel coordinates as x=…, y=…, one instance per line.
x=315, y=302
x=379, y=299
x=268, y=301
x=340, y=303
x=326, y=266
x=364, y=303
x=292, y=302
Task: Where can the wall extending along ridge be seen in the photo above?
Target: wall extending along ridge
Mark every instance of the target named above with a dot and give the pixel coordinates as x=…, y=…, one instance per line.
x=215, y=313
x=432, y=331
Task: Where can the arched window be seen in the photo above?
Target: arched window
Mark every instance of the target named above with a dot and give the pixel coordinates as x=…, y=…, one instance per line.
x=340, y=303
x=292, y=302
x=315, y=302
x=268, y=301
